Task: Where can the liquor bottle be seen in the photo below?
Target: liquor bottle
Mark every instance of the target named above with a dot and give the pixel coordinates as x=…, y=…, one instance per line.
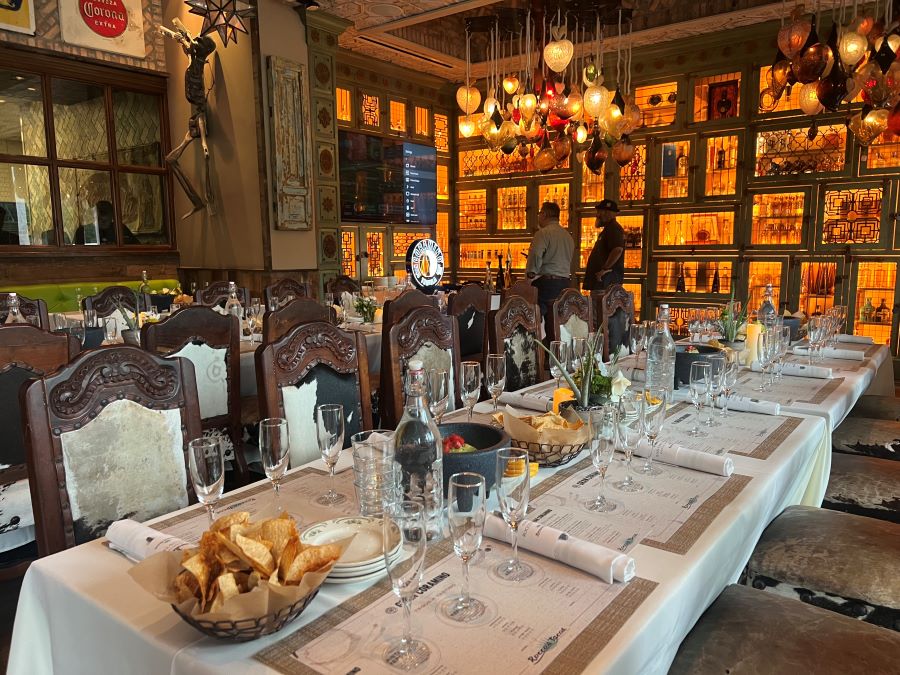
x=418, y=451
x=661, y=354
x=767, y=308
x=501, y=277
x=14, y=314
x=233, y=305
x=720, y=160
x=715, y=282
x=145, y=285
x=868, y=311
x=507, y=274
x=488, y=277
x=680, y=286
x=883, y=314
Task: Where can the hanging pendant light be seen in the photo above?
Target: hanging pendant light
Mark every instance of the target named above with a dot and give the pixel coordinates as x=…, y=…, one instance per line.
x=581, y=133
x=467, y=126
x=869, y=124
x=809, y=99
x=794, y=35
x=596, y=100
x=812, y=59
x=562, y=147
x=852, y=47
x=528, y=106
x=510, y=84
x=832, y=88
x=596, y=154
x=623, y=151
x=545, y=159
x=558, y=52
x=468, y=98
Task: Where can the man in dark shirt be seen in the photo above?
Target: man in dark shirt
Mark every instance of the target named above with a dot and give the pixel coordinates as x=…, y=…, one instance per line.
x=606, y=264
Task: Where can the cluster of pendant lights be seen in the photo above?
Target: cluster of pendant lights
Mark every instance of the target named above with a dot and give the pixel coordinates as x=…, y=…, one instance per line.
x=859, y=59
x=548, y=113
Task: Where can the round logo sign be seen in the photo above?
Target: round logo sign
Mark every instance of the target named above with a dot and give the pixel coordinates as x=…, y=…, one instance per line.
x=425, y=263
x=107, y=18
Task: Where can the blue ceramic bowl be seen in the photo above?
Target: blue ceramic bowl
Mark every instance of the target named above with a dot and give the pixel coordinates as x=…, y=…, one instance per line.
x=486, y=438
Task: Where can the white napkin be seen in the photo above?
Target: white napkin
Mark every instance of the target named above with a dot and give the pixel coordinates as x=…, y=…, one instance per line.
x=137, y=542
x=549, y=542
x=798, y=370
x=221, y=310
x=689, y=459
x=834, y=353
x=632, y=372
x=856, y=339
x=526, y=401
x=753, y=405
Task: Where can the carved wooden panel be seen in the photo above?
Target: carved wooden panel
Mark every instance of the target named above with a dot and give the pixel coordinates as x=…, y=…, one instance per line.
x=290, y=144
x=311, y=344
x=570, y=303
x=110, y=298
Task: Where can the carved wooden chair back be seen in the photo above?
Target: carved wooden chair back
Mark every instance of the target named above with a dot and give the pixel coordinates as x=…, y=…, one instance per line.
x=212, y=343
x=33, y=310
x=515, y=329
x=284, y=291
x=570, y=316
x=26, y=352
x=107, y=438
x=216, y=294
x=396, y=309
x=107, y=301
x=616, y=316
x=522, y=288
x=342, y=283
x=311, y=364
x=426, y=334
x=470, y=305
x=302, y=310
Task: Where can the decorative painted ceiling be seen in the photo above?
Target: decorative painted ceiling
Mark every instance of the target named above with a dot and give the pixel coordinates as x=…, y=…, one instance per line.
x=429, y=35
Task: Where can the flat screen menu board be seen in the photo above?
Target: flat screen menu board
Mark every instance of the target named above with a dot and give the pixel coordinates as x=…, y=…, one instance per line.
x=386, y=180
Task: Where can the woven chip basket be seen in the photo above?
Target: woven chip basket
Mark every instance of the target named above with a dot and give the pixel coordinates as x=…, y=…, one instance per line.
x=549, y=455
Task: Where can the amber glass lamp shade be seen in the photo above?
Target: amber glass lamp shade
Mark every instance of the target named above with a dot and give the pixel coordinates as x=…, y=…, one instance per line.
x=851, y=47
x=623, y=151
x=545, y=159
x=793, y=36
x=866, y=128
x=596, y=100
x=510, y=84
x=581, y=134
x=558, y=54
x=832, y=89
x=528, y=106
x=562, y=147
x=468, y=98
x=467, y=126
x=809, y=66
x=809, y=99
x=894, y=120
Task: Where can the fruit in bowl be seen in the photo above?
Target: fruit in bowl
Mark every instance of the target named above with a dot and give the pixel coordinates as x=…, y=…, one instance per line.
x=484, y=441
x=454, y=443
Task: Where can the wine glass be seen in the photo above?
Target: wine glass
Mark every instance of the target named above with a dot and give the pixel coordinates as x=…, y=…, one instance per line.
x=636, y=336
x=76, y=330
x=785, y=345
x=602, y=447
x=577, y=350
x=438, y=382
x=630, y=434
x=330, y=431
x=762, y=355
x=471, y=384
x=653, y=414
x=513, y=485
x=207, y=462
x=730, y=378
x=274, y=446
x=560, y=352
x=466, y=510
x=716, y=379
x=407, y=520
x=699, y=390
x=110, y=329
x=495, y=370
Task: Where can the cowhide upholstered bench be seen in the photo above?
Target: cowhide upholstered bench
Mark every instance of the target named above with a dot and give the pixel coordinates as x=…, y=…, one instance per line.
x=865, y=486
x=837, y=561
x=748, y=631
x=868, y=436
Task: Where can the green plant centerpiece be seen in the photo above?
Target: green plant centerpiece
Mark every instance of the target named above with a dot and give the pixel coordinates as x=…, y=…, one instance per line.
x=594, y=382
x=732, y=319
x=365, y=307
x=132, y=333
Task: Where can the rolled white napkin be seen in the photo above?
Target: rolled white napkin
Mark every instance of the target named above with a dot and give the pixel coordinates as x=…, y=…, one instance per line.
x=137, y=542
x=602, y=562
x=856, y=339
x=834, y=353
x=689, y=459
x=632, y=372
x=221, y=310
x=753, y=405
x=526, y=401
x=798, y=370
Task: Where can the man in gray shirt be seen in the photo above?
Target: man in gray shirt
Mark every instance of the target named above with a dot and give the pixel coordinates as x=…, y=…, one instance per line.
x=550, y=258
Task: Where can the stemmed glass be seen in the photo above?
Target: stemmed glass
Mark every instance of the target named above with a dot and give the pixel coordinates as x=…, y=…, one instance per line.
x=653, y=414
x=76, y=330
x=513, y=485
x=471, y=384
x=730, y=378
x=330, y=432
x=699, y=390
x=438, y=393
x=814, y=330
x=763, y=344
x=405, y=571
x=784, y=346
x=274, y=446
x=495, y=368
x=110, y=329
x=630, y=434
x=207, y=462
x=560, y=352
x=716, y=382
x=466, y=510
x=603, y=446
x=637, y=337
x=578, y=349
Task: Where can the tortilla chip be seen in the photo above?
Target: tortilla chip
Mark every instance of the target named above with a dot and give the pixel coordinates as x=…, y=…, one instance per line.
x=279, y=531
x=186, y=586
x=199, y=566
x=257, y=553
x=310, y=560
x=238, y=517
x=291, y=550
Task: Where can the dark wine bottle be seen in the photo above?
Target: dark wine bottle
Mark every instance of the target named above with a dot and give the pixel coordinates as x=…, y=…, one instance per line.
x=679, y=284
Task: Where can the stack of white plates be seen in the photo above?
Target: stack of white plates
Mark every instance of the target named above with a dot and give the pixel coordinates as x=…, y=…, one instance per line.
x=364, y=559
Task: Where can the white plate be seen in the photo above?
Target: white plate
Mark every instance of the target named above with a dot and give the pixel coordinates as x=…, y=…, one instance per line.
x=355, y=580
x=361, y=570
x=365, y=549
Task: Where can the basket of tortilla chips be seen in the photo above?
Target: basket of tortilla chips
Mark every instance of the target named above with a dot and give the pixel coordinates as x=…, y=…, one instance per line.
x=245, y=579
x=550, y=439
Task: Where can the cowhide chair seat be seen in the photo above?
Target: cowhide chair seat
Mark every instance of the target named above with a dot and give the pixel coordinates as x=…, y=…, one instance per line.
x=877, y=408
x=868, y=436
x=837, y=561
x=748, y=632
x=865, y=486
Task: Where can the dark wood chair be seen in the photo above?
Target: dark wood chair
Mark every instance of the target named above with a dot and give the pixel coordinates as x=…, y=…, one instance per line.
x=396, y=309
x=428, y=335
x=616, y=315
x=26, y=352
x=107, y=438
x=311, y=364
x=570, y=316
x=471, y=305
x=107, y=301
x=29, y=308
x=342, y=283
x=522, y=288
x=302, y=310
x=515, y=329
x=216, y=294
x=212, y=343
x=282, y=292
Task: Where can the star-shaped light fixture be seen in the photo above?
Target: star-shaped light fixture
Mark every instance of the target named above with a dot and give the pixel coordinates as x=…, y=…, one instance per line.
x=226, y=17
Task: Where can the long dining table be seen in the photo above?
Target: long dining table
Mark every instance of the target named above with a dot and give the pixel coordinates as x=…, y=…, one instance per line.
x=80, y=612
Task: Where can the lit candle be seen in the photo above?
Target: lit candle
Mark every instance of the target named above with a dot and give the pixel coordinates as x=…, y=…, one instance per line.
x=560, y=395
x=753, y=331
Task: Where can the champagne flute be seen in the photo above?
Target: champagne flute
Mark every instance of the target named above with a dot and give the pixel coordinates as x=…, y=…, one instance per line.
x=513, y=485
x=495, y=368
x=274, y=444
x=438, y=393
x=471, y=384
x=407, y=520
x=630, y=434
x=730, y=378
x=699, y=390
x=466, y=511
x=716, y=380
x=636, y=336
x=577, y=350
x=330, y=431
x=762, y=354
x=110, y=329
x=782, y=352
x=653, y=414
x=207, y=462
x=602, y=447
x=560, y=352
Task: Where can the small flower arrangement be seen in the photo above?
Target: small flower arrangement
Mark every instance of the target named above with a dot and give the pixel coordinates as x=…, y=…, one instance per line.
x=732, y=319
x=365, y=307
x=606, y=381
